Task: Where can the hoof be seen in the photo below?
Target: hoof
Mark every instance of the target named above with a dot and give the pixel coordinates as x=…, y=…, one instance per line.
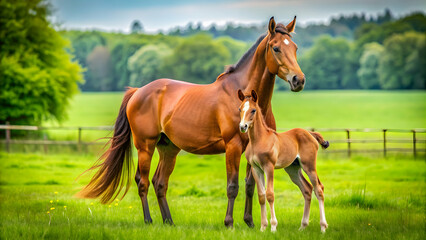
x=168, y=222
x=324, y=227
x=273, y=229
x=303, y=226
x=263, y=228
x=249, y=222
x=148, y=221
x=229, y=222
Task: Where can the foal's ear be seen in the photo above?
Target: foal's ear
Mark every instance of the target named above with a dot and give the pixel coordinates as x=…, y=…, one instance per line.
x=254, y=95
x=241, y=95
x=290, y=27
x=272, y=26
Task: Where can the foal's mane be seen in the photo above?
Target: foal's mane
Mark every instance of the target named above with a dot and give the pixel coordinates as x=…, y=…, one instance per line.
x=280, y=28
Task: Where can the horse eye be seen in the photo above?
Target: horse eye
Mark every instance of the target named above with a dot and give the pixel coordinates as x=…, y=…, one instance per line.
x=253, y=111
x=276, y=49
x=239, y=109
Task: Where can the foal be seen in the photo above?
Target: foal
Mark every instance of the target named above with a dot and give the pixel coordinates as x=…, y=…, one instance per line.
x=268, y=150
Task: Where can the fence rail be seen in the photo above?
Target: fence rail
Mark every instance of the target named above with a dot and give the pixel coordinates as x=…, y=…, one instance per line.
x=348, y=140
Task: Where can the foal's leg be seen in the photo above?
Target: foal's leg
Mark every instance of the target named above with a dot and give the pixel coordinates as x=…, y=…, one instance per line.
x=270, y=196
x=145, y=150
x=233, y=156
x=260, y=182
x=295, y=173
x=168, y=152
x=248, y=217
x=310, y=169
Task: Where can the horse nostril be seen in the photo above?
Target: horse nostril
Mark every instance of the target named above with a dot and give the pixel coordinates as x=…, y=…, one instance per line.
x=294, y=79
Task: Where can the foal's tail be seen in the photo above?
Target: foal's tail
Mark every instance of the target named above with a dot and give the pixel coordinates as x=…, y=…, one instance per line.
x=114, y=166
x=320, y=139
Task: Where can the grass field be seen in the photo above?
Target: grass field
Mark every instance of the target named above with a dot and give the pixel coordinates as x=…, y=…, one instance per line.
x=319, y=109
x=365, y=199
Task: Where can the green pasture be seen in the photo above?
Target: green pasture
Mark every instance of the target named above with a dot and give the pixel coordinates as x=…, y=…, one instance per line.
x=317, y=109
x=366, y=198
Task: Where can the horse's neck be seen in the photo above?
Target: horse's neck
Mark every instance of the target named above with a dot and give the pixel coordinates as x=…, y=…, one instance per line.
x=259, y=78
x=259, y=132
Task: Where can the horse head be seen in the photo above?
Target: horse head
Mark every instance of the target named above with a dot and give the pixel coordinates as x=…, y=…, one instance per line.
x=281, y=56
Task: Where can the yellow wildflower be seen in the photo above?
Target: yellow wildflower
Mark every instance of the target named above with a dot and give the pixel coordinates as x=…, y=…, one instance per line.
x=109, y=205
x=91, y=203
x=56, y=192
x=65, y=206
x=116, y=204
x=48, y=212
x=130, y=206
x=52, y=208
x=51, y=201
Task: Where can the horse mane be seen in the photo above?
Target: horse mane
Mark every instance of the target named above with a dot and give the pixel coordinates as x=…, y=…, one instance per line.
x=246, y=55
x=279, y=28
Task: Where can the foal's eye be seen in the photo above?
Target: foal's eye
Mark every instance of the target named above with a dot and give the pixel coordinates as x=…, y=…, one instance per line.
x=276, y=49
x=253, y=111
x=239, y=109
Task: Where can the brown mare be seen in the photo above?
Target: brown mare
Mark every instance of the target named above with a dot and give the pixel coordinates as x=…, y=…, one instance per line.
x=292, y=150
x=200, y=119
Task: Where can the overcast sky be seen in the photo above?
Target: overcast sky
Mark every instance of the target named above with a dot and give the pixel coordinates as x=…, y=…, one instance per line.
x=155, y=15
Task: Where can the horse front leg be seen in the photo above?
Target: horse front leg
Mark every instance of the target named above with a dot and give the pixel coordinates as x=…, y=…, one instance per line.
x=270, y=196
x=248, y=217
x=233, y=156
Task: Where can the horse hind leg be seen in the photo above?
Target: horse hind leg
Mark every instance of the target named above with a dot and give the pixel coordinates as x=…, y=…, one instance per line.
x=296, y=176
x=145, y=151
x=168, y=152
x=310, y=169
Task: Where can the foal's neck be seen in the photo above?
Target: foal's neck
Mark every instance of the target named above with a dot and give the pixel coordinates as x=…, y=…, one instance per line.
x=259, y=131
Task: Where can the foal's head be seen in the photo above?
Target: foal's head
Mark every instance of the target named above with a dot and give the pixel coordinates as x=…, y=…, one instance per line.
x=248, y=109
x=281, y=56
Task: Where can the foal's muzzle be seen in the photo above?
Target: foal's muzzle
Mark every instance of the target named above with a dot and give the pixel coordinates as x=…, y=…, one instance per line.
x=243, y=127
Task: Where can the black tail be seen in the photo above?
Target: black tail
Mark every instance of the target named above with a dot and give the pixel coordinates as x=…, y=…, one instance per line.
x=115, y=165
x=324, y=144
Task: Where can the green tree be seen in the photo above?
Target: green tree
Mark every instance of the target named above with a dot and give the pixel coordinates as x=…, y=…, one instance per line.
x=99, y=75
x=324, y=64
x=37, y=77
x=369, y=64
x=144, y=65
x=197, y=59
x=402, y=65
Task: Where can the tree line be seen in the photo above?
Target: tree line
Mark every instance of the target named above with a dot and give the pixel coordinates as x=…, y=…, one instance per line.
x=351, y=52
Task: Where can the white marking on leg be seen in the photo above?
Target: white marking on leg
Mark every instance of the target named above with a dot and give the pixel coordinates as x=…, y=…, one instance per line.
x=323, y=222
x=305, y=219
x=274, y=221
x=286, y=42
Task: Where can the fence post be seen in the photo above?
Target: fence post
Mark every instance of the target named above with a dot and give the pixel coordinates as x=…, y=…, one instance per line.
x=79, y=139
x=384, y=142
x=414, y=143
x=348, y=138
x=46, y=148
x=7, y=138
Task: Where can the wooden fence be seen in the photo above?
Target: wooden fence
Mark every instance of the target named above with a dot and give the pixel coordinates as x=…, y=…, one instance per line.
x=414, y=141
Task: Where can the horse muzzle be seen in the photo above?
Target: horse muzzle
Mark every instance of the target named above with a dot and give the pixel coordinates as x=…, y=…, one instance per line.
x=243, y=128
x=297, y=83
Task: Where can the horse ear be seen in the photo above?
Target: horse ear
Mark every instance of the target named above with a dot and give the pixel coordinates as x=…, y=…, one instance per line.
x=290, y=27
x=241, y=95
x=254, y=95
x=272, y=26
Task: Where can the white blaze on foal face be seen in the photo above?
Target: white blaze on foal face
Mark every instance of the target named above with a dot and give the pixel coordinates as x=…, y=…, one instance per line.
x=244, y=111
